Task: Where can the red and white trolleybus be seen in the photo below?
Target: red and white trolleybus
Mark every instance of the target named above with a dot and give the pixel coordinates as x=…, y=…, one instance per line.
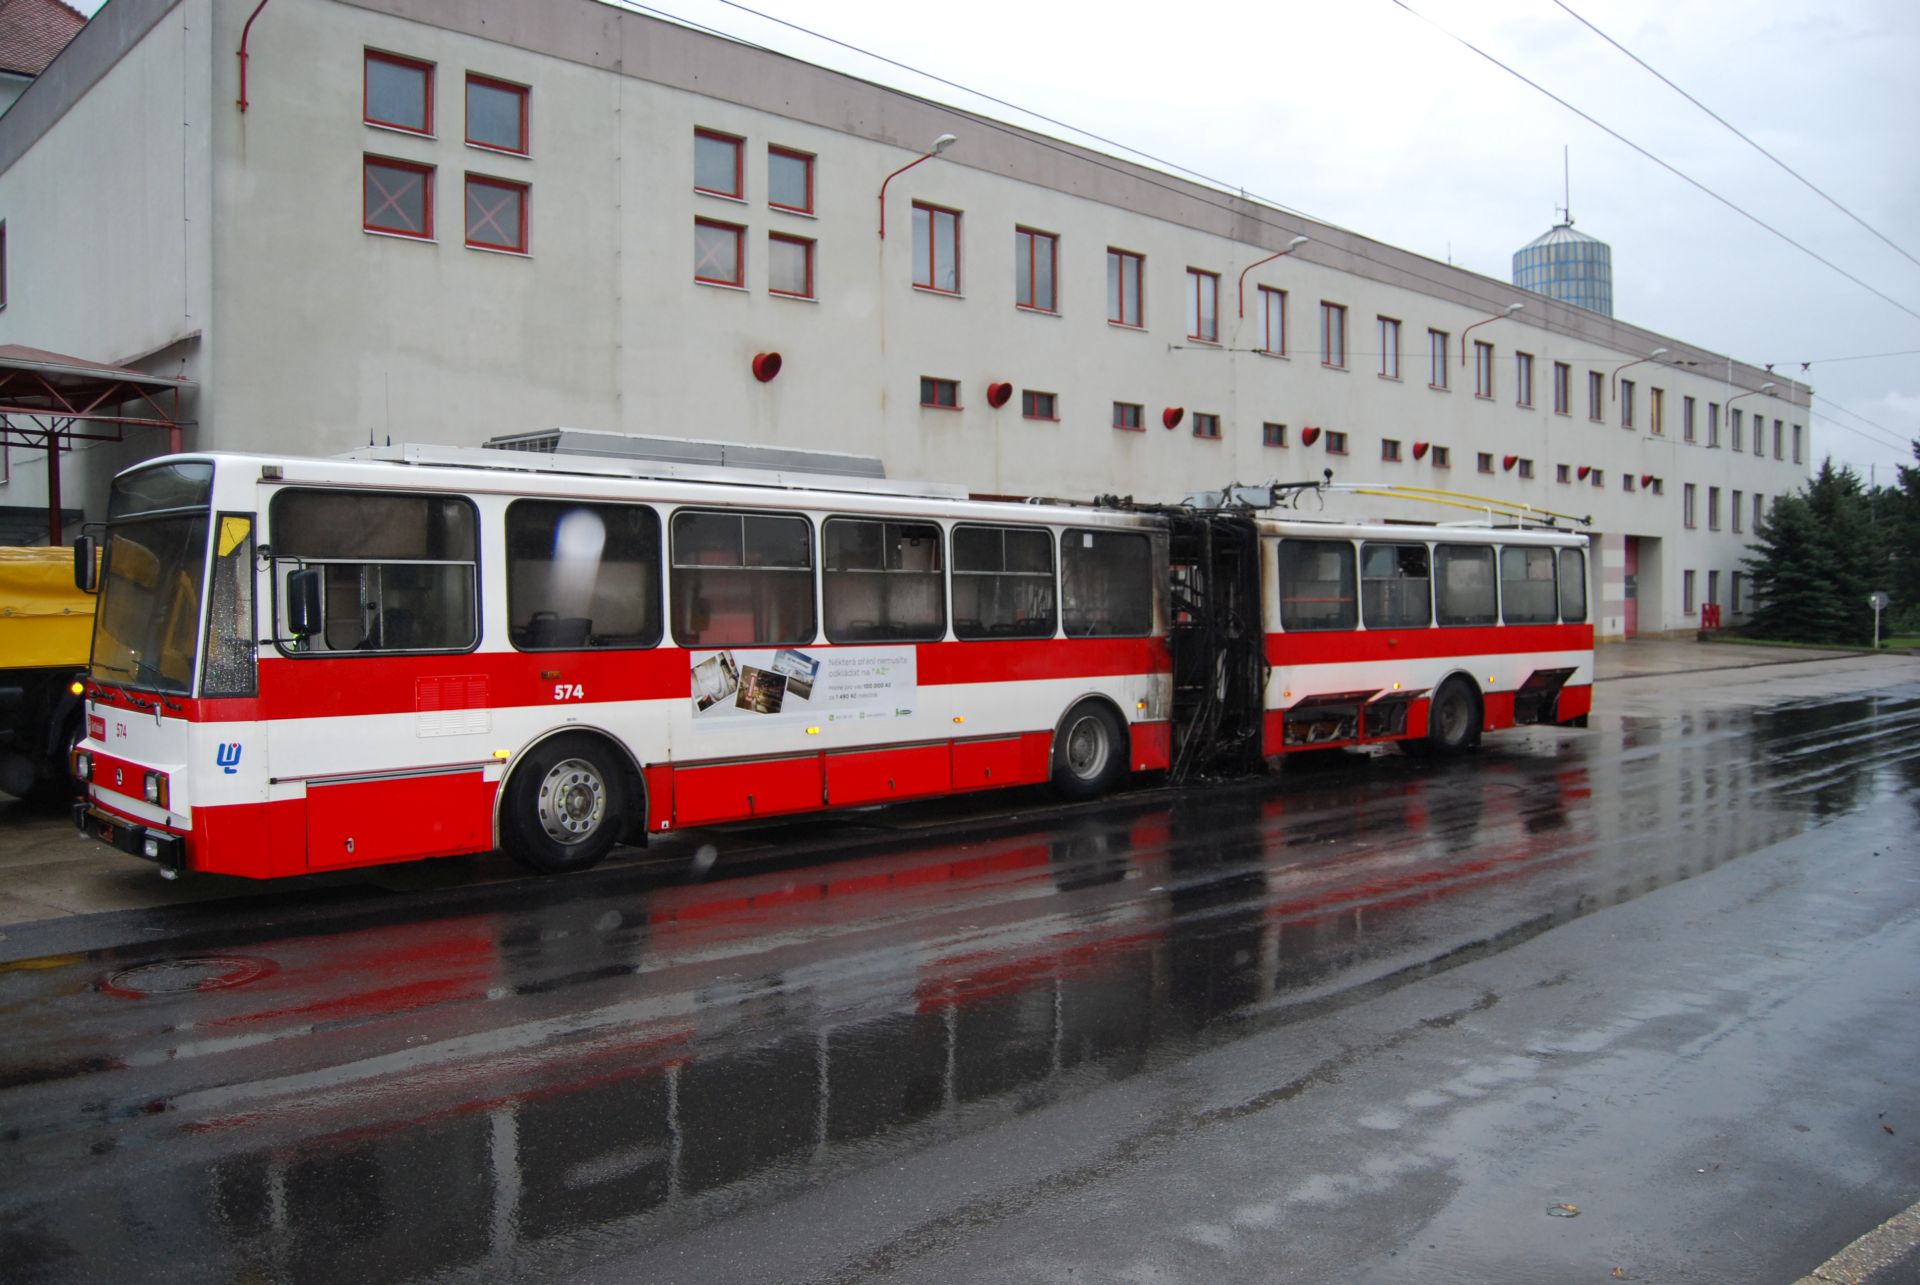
x=312, y=664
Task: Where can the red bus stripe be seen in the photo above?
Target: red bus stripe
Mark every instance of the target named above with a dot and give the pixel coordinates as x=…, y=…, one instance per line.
x=356, y=686
x=1425, y=644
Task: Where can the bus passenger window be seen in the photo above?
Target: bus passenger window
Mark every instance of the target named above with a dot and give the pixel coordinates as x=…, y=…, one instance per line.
x=1316, y=585
x=742, y=579
x=398, y=572
x=881, y=581
x=1395, y=586
x=1527, y=591
x=1463, y=584
x=1002, y=582
x=582, y=575
x=1573, y=586
x=1106, y=584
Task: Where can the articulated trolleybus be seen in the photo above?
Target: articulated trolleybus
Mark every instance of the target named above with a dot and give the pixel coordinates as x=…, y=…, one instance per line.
x=564, y=640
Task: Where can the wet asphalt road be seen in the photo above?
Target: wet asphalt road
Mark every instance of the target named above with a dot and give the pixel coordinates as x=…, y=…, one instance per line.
x=1367, y=1020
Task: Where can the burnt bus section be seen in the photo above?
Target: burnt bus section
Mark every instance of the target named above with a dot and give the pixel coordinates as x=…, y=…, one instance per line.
x=1219, y=657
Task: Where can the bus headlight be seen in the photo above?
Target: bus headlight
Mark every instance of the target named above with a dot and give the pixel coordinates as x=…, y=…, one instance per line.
x=156, y=789
x=82, y=766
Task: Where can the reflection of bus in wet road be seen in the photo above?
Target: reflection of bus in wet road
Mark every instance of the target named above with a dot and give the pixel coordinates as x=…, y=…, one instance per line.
x=484, y=1088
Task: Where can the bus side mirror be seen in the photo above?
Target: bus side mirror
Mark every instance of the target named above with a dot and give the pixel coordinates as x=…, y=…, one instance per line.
x=86, y=564
x=304, y=615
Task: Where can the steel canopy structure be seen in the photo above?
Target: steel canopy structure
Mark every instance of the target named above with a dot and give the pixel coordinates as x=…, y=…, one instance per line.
x=48, y=401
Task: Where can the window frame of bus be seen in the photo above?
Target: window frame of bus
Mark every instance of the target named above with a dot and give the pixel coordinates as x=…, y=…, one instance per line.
x=231, y=589
x=1577, y=581
x=172, y=494
x=1399, y=548
x=1127, y=619
x=286, y=566
x=521, y=633
x=978, y=630
x=1446, y=550
x=1508, y=614
x=1347, y=615
x=679, y=608
x=834, y=578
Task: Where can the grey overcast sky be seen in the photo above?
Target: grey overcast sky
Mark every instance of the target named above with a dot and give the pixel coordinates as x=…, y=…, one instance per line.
x=1362, y=114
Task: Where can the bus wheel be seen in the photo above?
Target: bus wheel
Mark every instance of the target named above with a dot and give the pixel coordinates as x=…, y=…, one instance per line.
x=1089, y=751
x=563, y=806
x=1453, y=719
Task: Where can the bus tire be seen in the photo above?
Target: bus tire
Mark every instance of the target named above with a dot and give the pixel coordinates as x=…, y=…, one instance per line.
x=564, y=805
x=1089, y=751
x=1453, y=718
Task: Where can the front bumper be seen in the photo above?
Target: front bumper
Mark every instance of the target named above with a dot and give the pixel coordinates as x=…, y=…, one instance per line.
x=168, y=851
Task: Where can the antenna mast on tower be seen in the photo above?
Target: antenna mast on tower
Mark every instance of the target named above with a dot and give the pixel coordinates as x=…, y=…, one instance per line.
x=1566, y=179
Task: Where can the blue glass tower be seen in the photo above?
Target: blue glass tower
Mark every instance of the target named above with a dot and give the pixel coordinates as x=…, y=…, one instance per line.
x=1569, y=266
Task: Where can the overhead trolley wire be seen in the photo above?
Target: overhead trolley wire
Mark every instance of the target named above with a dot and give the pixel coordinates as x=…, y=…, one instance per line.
x=1678, y=173
x=1897, y=249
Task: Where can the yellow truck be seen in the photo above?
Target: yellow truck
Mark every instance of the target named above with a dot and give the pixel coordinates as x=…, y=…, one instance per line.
x=46, y=629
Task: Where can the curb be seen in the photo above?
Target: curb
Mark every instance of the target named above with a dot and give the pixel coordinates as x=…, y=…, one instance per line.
x=1889, y=1247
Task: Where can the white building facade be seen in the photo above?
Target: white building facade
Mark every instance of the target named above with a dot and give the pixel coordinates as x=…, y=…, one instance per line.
x=447, y=220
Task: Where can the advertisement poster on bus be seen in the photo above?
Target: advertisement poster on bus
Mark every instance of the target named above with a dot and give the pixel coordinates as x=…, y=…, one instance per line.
x=791, y=684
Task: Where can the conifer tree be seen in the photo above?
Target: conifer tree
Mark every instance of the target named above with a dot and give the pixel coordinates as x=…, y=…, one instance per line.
x=1815, y=559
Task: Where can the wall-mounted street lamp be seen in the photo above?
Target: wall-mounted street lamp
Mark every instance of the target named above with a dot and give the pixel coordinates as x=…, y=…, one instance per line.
x=1511, y=309
x=1613, y=392
x=1292, y=245
x=940, y=145
x=1763, y=390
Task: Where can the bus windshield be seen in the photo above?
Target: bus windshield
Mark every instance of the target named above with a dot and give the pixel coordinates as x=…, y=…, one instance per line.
x=147, y=624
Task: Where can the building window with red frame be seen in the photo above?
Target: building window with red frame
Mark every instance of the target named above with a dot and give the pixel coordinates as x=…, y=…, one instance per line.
x=1336, y=443
x=719, y=253
x=496, y=214
x=1039, y=405
x=1273, y=434
x=941, y=394
x=1562, y=388
x=1126, y=274
x=1206, y=426
x=398, y=197
x=1203, y=306
x=1523, y=379
x=718, y=164
x=1129, y=415
x=399, y=93
x=1390, y=450
x=1482, y=369
x=936, y=248
x=789, y=265
x=1273, y=321
x=789, y=180
x=1333, y=336
x=496, y=114
x=1389, y=348
x=1036, y=263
